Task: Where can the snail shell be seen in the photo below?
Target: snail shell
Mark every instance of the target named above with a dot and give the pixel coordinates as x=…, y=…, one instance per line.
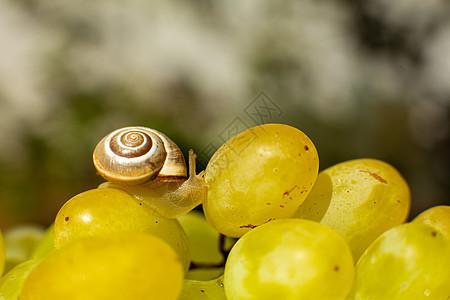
x=134, y=155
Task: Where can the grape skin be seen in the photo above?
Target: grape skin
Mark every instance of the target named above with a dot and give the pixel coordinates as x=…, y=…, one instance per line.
x=203, y=290
x=360, y=199
x=203, y=238
x=2, y=253
x=410, y=261
x=20, y=242
x=11, y=283
x=45, y=246
x=289, y=259
x=261, y=174
x=131, y=265
x=437, y=217
x=105, y=210
x=204, y=242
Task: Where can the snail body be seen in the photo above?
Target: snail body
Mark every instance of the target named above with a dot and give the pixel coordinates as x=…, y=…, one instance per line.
x=149, y=166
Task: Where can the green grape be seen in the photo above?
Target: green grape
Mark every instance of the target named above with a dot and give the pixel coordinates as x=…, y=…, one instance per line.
x=360, y=199
x=289, y=259
x=2, y=253
x=204, y=242
x=203, y=238
x=100, y=211
x=202, y=290
x=204, y=273
x=20, y=242
x=120, y=265
x=410, y=261
x=11, y=283
x=45, y=246
x=261, y=174
x=438, y=217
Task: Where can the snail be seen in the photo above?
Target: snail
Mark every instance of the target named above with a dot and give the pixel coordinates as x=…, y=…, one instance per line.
x=148, y=165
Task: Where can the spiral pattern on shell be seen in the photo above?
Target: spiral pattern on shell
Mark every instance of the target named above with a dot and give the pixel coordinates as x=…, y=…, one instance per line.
x=134, y=155
x=130, y=143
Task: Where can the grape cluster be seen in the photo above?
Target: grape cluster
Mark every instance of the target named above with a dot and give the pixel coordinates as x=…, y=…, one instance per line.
x=272, y=227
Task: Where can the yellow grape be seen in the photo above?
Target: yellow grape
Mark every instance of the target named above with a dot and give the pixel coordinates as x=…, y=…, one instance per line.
x=410, y=261
x=20, y=242
x=45, y=245
x=131, y=265
x=11, y=283
x=203, y=238
x=360, y=199
x=203, y=290
x=100, y=211
x=205, y=247
x=438, y=217
x=2, y=253
x=204, y=274
x=289, y=259
x=261, y=174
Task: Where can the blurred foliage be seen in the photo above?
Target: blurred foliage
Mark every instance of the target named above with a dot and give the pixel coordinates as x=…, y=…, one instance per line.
x=362, y=79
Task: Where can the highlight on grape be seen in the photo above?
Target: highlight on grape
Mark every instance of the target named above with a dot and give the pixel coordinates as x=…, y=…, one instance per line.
x=270, y=226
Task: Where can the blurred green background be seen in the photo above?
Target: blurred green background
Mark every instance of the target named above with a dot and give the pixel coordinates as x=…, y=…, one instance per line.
x=361, y=79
